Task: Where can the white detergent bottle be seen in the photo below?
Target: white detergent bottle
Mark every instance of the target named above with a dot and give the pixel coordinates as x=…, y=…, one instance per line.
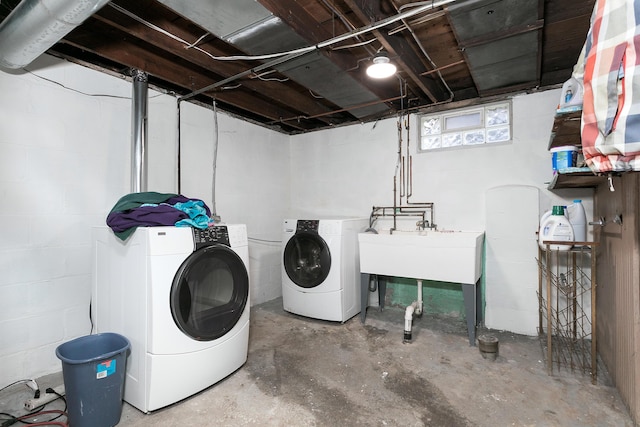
x=578, y=220
x=548, y=213
x=572, y=93
x=556, y=227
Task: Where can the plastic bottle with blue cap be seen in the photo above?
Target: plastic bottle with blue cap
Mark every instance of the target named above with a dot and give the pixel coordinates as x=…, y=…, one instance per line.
x=578, y=220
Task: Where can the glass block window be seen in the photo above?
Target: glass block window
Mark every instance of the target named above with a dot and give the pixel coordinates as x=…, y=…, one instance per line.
x=473, y=126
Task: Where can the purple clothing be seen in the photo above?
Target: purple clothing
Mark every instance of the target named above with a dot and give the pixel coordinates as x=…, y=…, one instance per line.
x=128, y=213
x=145, y=216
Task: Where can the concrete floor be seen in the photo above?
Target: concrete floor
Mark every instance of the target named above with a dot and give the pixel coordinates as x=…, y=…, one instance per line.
x=305, y=372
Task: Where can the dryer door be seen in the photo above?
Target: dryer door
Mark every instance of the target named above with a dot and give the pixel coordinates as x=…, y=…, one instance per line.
x=209, y=293
x=307, y=259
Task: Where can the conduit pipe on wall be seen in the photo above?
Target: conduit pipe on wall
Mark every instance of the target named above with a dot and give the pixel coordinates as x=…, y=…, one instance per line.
x=216, y=142
x=36, y=25
x=139, y=103
x=415, y=309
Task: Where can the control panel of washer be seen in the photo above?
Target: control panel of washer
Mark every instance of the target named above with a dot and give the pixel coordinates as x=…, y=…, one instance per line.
x=307, y=225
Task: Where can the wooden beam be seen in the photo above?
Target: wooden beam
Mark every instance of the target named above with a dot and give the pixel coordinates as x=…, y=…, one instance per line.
x=401, y=51
x=110, y=43
x=282, y=92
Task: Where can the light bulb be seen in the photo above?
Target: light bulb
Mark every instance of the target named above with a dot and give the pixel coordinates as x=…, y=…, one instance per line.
x=381, y=68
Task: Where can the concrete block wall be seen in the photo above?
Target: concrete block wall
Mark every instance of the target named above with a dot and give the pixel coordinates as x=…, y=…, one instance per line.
x=64, y=162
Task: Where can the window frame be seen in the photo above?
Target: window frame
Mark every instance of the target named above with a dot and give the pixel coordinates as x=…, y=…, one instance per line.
x=460, y=134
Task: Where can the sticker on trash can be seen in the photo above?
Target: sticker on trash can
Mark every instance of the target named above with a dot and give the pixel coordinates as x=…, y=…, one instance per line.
x=105, y=369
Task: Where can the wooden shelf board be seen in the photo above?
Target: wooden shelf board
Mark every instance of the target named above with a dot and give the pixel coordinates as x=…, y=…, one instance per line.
x=575, y=180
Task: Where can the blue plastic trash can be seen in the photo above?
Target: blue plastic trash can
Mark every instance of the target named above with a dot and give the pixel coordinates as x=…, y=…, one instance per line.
x=93, y=369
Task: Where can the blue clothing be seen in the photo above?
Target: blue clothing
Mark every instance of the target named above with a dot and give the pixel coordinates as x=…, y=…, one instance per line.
x=198, y=216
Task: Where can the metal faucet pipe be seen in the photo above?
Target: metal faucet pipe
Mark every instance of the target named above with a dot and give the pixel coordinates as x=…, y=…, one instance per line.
x=395, y=208
x=417, y=210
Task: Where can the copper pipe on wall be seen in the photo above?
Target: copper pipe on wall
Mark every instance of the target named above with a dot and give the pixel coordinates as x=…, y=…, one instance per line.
x=409, y=161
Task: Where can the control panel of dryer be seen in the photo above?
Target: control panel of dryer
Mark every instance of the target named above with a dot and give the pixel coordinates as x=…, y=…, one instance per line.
x=215, y=234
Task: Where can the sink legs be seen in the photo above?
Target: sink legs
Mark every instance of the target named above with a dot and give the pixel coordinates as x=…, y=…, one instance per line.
x=470, y=292
x=365, y=280
x=364, y=295
x=472, y=308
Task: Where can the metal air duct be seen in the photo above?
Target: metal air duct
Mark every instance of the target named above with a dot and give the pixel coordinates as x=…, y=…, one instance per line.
x=139, y=102
x=36, y=25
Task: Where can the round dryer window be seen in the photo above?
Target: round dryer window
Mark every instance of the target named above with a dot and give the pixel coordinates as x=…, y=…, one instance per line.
x=306, y=259
x=209, y=293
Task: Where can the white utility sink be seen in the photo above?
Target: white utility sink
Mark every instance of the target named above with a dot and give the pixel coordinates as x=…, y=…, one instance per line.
x=446, y=256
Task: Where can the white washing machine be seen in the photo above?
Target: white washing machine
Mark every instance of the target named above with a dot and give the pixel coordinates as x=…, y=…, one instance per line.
x=181, y=297
x=320, y=267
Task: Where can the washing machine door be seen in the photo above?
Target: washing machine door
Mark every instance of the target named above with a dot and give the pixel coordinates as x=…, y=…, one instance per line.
x=307, y=259
x=209, y=293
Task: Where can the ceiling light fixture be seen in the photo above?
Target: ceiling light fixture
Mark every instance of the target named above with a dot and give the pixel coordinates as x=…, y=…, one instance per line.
x=381, y=67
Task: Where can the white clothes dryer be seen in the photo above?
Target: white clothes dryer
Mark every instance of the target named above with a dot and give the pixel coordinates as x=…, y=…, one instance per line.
x=320, y=267
x=181, y=297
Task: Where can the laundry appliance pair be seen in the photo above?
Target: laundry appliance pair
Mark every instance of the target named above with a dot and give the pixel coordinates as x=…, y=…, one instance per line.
x=181, y=297
x=320, y=267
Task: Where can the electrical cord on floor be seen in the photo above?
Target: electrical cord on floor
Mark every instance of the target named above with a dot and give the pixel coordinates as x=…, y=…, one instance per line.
x=31, y=383
x=11, y=420
x=51, y=422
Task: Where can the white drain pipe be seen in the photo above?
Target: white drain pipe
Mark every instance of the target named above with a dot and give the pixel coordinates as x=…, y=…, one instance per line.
x=414, y=309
